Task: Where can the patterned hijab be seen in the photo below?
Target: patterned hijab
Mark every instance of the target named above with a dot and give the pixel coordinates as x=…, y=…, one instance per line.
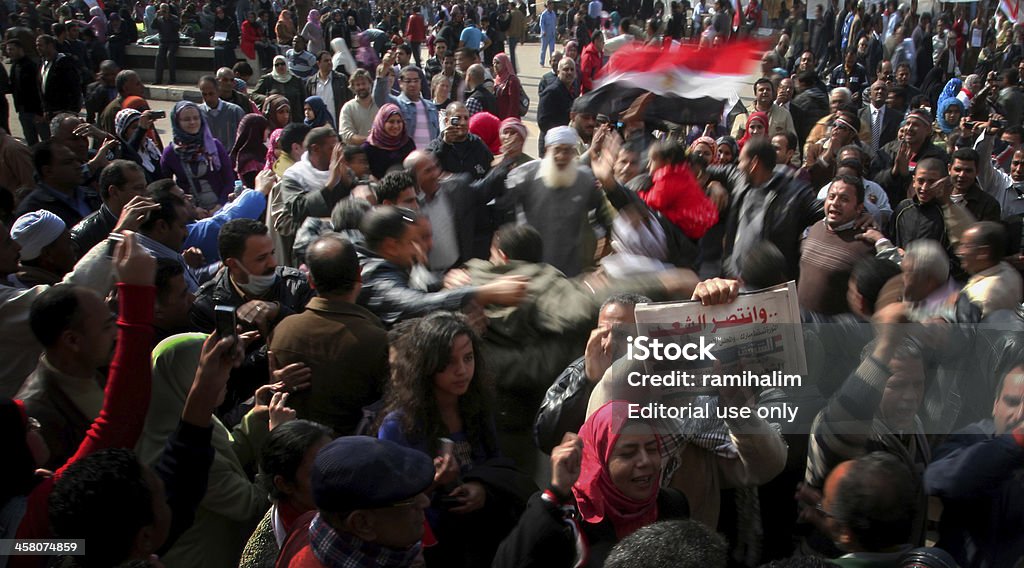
x=123, y=119
x=379, y=138
x=194, y=149
x=149, y=153
x=707, y=141
x=271, y=157
x=140, y=104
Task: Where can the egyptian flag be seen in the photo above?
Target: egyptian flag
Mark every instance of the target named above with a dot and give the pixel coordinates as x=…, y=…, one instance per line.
x=692, y=86
x=1012, y=9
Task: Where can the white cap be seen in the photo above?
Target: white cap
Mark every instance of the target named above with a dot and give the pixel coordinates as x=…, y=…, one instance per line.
x=560, y=135
x=36, y=230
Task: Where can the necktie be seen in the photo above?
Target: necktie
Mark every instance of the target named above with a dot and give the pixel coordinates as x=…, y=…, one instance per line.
x=876, y=130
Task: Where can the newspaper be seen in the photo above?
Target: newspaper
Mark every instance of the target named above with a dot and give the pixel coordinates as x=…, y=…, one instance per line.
x=758, y=340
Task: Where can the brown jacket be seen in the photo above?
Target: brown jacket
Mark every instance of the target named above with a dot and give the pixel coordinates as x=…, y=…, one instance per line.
x=65, y=407
x=346, y=348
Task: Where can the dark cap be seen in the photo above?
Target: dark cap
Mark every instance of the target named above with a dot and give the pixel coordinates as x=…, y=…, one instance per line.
x=579, y=106
x=359, y=472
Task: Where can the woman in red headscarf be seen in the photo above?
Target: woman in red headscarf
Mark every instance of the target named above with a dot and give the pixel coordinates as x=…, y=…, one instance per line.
x=605, y=485
x=486, y=126
x=507, y=88
x=757, y=126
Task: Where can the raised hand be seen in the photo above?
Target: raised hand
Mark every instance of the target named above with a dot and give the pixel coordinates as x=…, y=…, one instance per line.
x=132, y=263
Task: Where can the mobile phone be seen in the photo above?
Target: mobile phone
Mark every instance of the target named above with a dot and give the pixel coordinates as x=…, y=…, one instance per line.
x=969, y=124
x=155, y=114
x=224, y=317
x=447, y=446
x=603, y=119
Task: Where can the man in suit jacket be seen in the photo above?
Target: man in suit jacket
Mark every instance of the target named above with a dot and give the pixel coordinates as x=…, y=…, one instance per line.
x=62, y=85
x=883, y=122
x=556, y=100
x=329, y=85
x=453, y=207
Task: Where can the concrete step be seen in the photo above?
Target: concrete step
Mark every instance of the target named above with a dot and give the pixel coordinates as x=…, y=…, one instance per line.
x=173, y=93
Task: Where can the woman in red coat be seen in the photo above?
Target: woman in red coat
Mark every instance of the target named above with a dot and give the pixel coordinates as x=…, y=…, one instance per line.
x=252, y=36
x=507, y=88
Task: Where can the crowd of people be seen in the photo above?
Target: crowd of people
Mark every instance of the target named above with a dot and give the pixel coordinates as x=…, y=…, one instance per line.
x=338, y=315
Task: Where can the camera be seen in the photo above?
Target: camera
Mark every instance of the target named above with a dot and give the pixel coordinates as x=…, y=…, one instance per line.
x=997, y=124
x=155, y=114
x=455, y=121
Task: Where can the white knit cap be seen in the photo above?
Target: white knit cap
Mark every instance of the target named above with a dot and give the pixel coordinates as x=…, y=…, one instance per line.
x=560, y=135
x=35, y=231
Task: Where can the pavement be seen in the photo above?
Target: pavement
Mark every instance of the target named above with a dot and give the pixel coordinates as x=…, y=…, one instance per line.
x=164, y=97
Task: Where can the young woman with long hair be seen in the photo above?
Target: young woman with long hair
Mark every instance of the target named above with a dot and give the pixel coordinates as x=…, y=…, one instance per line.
x=437, y=402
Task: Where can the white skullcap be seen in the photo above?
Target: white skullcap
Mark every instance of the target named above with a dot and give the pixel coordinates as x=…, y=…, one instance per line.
x=36, y=230
x=560, y=135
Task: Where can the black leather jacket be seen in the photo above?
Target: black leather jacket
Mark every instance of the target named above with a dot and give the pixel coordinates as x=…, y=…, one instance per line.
x=387, y=293
x=93, y=229
x=291, y=290
x=791, y=207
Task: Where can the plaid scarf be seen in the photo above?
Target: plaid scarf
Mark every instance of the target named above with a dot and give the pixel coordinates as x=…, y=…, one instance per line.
x=339, y=550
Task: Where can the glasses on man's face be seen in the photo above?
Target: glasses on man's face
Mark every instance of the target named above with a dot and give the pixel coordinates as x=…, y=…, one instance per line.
x=411, y=80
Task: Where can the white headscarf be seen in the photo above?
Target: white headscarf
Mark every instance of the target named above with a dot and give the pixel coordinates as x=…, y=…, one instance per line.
x=342, y=56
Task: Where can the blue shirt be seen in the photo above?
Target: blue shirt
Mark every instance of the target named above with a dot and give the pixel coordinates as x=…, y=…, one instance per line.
x=203, y=233
x=594, y=9
x=471, y=37
x=78, y=202
x=159, y=250
x=548, y=23
x=846, y=31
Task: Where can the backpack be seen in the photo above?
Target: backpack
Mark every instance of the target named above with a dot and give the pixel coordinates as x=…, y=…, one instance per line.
x=524, y=102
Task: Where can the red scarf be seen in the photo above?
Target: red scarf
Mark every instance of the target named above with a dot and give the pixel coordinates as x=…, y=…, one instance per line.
x=596, y=495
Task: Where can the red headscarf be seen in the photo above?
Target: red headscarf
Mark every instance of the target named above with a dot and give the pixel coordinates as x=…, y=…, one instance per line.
x=761, y=117
x=597, y=497
x=487, y=127
x=707, y=141
x=507, y=71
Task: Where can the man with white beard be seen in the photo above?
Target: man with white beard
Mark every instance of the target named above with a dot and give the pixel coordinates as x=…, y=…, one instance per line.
x=556, y=194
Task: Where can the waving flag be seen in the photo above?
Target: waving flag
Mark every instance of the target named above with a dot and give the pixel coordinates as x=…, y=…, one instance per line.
x=1012, y=9
x=693, y=85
